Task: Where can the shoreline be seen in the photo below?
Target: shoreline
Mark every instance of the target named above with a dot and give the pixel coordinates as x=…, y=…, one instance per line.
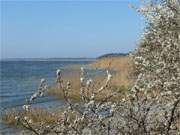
x=72, y=74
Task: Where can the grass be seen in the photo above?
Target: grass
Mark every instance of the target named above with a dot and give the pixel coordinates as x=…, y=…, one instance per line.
x=98, y=81
x=122, y=65
x=120, y=81
x=38, y=116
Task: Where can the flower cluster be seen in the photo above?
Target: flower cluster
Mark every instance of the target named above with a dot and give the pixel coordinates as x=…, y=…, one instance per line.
x=88, y=114
x=153, y=105
x=41, y=90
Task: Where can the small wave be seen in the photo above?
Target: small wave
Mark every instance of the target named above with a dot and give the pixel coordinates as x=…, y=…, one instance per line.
x=8, y=95
x=21, y=101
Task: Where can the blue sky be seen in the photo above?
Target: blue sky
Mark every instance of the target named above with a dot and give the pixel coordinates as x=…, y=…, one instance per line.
x=34, y=29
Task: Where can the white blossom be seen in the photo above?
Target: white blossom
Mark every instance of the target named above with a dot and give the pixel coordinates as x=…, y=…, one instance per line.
x=26, y=118
x=26, y=107
x=88, y=83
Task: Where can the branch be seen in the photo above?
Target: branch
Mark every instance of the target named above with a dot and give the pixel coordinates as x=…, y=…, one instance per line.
x=170, y=121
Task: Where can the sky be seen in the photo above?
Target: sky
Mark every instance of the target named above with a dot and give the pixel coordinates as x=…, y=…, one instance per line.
x=48, y=29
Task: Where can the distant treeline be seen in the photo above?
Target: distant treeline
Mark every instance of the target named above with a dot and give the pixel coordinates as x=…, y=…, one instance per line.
x=112, y=55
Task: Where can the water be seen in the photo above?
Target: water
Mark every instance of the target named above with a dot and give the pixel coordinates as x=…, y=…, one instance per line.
x=19, y=79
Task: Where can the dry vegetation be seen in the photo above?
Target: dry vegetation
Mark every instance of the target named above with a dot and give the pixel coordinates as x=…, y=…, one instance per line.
x=38, y=116
x=73, y=78
x=121, y=81
x=75, y=89
x=122, y=65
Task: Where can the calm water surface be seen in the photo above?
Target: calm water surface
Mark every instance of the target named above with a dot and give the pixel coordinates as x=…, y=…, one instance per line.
x=20, y=79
